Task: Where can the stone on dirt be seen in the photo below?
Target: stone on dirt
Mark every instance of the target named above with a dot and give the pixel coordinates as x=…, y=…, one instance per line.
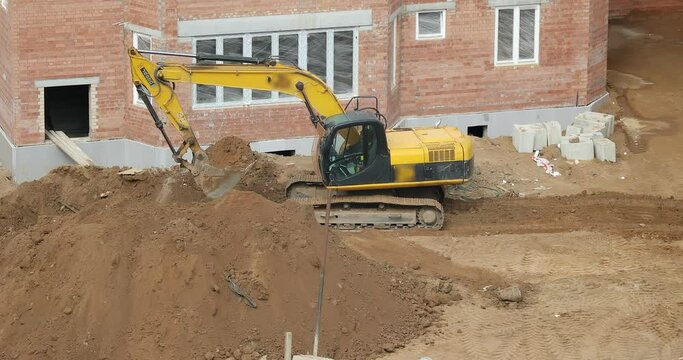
x=510, y=294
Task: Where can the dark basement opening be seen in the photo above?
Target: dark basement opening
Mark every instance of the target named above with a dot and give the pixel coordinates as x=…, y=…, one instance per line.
x=283, y=152
x=478, y=131
x=67, y=109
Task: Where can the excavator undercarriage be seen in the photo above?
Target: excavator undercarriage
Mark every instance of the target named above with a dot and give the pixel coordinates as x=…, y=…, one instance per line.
x=378, y=209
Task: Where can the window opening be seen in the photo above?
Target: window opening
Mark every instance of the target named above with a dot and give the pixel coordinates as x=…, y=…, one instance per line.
x=332, y=55
x=140, y=42
x=431, y=25
x=517, y=35
x=478, y=131
x=286, y=153
x=67, y=109
x=353, y=149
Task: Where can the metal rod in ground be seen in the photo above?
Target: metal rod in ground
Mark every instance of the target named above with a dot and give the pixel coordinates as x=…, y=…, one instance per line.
x=288, y=346
x=319, y=310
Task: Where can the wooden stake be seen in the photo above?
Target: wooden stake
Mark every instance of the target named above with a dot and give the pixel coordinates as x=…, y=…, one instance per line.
x=288, y=346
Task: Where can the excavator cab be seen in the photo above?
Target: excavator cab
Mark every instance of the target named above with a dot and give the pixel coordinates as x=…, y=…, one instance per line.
x=354, y=150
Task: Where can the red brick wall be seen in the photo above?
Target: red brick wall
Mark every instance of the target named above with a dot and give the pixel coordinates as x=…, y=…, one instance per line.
x=619, y=8
x=452, y=75
x=597, y=48
x=7, y=78
x=457, y=74
x=258, y=122
x=65, y=40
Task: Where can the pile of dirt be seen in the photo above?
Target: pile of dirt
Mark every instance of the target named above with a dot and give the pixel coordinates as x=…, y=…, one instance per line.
x=230, y=151
x=94, y=265
x=268, y=179
x=6, y=184
x=69, y=189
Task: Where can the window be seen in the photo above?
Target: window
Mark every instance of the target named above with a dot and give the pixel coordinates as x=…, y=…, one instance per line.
x=332, y=55
x=517, y=35
x=353, y=149
x=431, y=25
x=140, y=42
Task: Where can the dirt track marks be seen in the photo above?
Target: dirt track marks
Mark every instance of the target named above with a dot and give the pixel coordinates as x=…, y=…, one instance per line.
x=592, y=296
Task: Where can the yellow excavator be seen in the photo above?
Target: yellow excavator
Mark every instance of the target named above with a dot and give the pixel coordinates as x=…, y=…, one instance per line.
x=381, y=178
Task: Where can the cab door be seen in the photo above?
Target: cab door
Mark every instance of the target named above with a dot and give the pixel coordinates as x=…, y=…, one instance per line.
x=355, y=154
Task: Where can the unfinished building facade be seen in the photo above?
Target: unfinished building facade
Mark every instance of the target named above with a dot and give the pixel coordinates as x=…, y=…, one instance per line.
x=481, y=65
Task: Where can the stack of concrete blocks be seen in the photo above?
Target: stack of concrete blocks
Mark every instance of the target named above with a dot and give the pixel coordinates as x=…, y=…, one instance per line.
x=587, y=138
x=531, y=137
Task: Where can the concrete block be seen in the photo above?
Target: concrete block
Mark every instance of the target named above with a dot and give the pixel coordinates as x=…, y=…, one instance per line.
x=523, y=138
x=605, y=150
x=572, y=130
x=591, y=126
x=606, y=119
x=591, y=136
x=540, y=136
x=576, y=148
x=554, y=130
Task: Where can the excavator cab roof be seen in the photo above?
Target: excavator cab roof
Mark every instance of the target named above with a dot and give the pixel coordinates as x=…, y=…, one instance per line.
x=349, y=119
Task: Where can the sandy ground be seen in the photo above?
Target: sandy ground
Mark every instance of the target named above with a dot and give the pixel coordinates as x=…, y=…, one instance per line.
x=602, y=273
x=597, y=252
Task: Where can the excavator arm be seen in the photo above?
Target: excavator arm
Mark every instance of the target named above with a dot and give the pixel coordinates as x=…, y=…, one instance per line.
x=157, y=81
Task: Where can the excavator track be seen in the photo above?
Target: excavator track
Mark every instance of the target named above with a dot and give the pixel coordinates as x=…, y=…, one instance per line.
x=379, y=211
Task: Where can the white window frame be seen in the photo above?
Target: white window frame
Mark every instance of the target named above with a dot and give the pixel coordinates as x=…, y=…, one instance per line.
x=440, y=35
x=136, y=37
x=302, y=58
x=515, y=36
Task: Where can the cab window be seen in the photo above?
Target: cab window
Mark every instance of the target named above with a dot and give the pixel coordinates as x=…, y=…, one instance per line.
x=353, y=149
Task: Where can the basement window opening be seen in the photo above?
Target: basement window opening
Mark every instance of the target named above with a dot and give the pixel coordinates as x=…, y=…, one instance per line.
x=283, y=152
x=67, y=109
x=479, y=131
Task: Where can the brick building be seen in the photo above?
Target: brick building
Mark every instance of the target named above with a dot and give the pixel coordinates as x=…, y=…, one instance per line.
x=481, y=65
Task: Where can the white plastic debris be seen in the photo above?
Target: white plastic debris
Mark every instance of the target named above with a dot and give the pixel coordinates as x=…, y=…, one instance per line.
x=544, y=163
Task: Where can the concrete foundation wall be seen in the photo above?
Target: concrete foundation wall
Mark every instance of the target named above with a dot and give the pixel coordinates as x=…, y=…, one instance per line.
x=31, y=162
x=6, y=151
x=34, y=161
x=501, y=123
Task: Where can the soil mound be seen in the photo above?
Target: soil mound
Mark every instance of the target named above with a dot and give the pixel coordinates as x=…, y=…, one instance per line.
x=6, y=184
x=70, y=189
x=141, y=274
x=262, y=177
x=230, y=151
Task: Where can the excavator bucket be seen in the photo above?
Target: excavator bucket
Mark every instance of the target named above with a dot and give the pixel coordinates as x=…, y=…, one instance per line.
x=214, y=182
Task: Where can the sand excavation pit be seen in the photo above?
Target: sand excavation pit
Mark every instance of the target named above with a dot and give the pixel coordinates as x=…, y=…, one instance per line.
x=97, y=266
